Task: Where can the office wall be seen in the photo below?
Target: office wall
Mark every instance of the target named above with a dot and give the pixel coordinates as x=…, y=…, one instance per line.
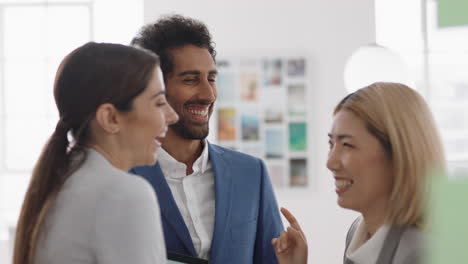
x=326, y=32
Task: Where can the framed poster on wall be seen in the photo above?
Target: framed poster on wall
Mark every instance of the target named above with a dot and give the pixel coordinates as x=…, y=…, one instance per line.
x=262, y=111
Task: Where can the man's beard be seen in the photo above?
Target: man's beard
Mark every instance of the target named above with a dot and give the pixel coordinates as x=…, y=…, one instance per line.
x=186, y=129
x=190, y=131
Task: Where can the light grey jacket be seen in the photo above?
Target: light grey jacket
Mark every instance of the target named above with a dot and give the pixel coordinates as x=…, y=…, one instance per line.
x=402, y=245
x=102, y=215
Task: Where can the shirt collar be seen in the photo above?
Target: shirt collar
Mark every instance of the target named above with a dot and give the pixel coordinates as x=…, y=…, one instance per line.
x=204, y=157
x=362, y=251
x=200, y=164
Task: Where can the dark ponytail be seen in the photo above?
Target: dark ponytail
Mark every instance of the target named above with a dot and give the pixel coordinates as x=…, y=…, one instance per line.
x=94, y=74
x=46, y=180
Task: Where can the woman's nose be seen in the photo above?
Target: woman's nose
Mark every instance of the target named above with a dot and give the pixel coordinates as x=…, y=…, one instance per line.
x=171, y=116
x=333, y=162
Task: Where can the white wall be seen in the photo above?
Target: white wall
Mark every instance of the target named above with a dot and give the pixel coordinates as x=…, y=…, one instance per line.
x=327, y=31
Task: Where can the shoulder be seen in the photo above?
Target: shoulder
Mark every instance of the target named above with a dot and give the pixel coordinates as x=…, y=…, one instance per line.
x=127, y=187
x=233, y=155
x=413, y=235
x=127, y=210
x=412, y=246
x=127, y=201
x=98, y=179
x=245, y=167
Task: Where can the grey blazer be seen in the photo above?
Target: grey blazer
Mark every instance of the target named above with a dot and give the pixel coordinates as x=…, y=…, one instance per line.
x=403, y=245
x=102, y=215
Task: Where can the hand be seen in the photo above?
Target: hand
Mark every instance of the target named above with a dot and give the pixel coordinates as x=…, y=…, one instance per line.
x=291, y=245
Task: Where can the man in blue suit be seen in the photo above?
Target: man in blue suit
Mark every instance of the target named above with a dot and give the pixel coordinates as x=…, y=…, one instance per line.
x=216, y=203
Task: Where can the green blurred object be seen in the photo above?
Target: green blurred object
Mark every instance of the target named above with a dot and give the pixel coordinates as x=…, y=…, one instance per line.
x=449, y=221
x=452, y=13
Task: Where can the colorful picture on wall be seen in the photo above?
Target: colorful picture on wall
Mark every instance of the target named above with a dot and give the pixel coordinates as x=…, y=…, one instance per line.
x=250, y=125
x=249, y=86
x=297, y=111
x=296, y=100
x=297, y=136
x=263, y=112
x=272, y=75
x=273, y=114
x=277, y=175
x=298, y=172
x=227, y=87
x=296, y=93
x=296, y=67
x=274, y=143
x=226, y=124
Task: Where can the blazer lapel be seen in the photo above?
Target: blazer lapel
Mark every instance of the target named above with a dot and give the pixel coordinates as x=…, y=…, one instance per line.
x=169, y=209
x=390, y=245
x=223, y=193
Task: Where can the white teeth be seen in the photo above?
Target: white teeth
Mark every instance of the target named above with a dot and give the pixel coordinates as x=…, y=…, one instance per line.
x=340, y=184
x=202, y=113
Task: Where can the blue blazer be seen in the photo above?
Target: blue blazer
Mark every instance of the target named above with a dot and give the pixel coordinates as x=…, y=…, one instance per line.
x=246, y=216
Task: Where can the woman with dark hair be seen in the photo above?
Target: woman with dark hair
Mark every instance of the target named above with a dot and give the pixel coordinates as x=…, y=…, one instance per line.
x=81, y=205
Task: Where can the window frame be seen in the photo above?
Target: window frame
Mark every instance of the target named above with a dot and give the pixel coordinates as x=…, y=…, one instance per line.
x=89, y=4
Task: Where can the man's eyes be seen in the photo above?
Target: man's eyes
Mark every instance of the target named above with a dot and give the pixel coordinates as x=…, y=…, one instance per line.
x=191, y=80
x=195, y=80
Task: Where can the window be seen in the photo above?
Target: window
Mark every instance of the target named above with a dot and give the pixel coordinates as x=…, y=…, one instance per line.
x=35, y=35
x=448, y=83
x=437, y=59
x=35, y=38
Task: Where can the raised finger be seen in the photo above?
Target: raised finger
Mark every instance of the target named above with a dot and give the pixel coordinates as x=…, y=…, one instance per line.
x=291, y=219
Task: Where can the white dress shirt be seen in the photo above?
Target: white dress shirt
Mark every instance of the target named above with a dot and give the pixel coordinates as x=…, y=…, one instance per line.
x=194, y=195
x=363, y=251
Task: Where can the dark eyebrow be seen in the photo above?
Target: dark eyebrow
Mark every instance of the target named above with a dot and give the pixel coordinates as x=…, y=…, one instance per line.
x=340, y=136
x=188, y=73
x=158, y=94
x=195, y=72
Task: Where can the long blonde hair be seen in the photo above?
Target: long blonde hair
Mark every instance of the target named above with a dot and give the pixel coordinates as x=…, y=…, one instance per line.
x=402, y=122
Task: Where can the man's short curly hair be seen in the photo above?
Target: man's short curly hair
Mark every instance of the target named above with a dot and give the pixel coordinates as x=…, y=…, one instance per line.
x=170, y=32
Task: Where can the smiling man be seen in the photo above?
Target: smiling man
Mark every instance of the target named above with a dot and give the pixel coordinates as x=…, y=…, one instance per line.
x=216, y=203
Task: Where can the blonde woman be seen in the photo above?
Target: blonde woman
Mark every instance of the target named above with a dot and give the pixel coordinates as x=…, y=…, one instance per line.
x=383, y=144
